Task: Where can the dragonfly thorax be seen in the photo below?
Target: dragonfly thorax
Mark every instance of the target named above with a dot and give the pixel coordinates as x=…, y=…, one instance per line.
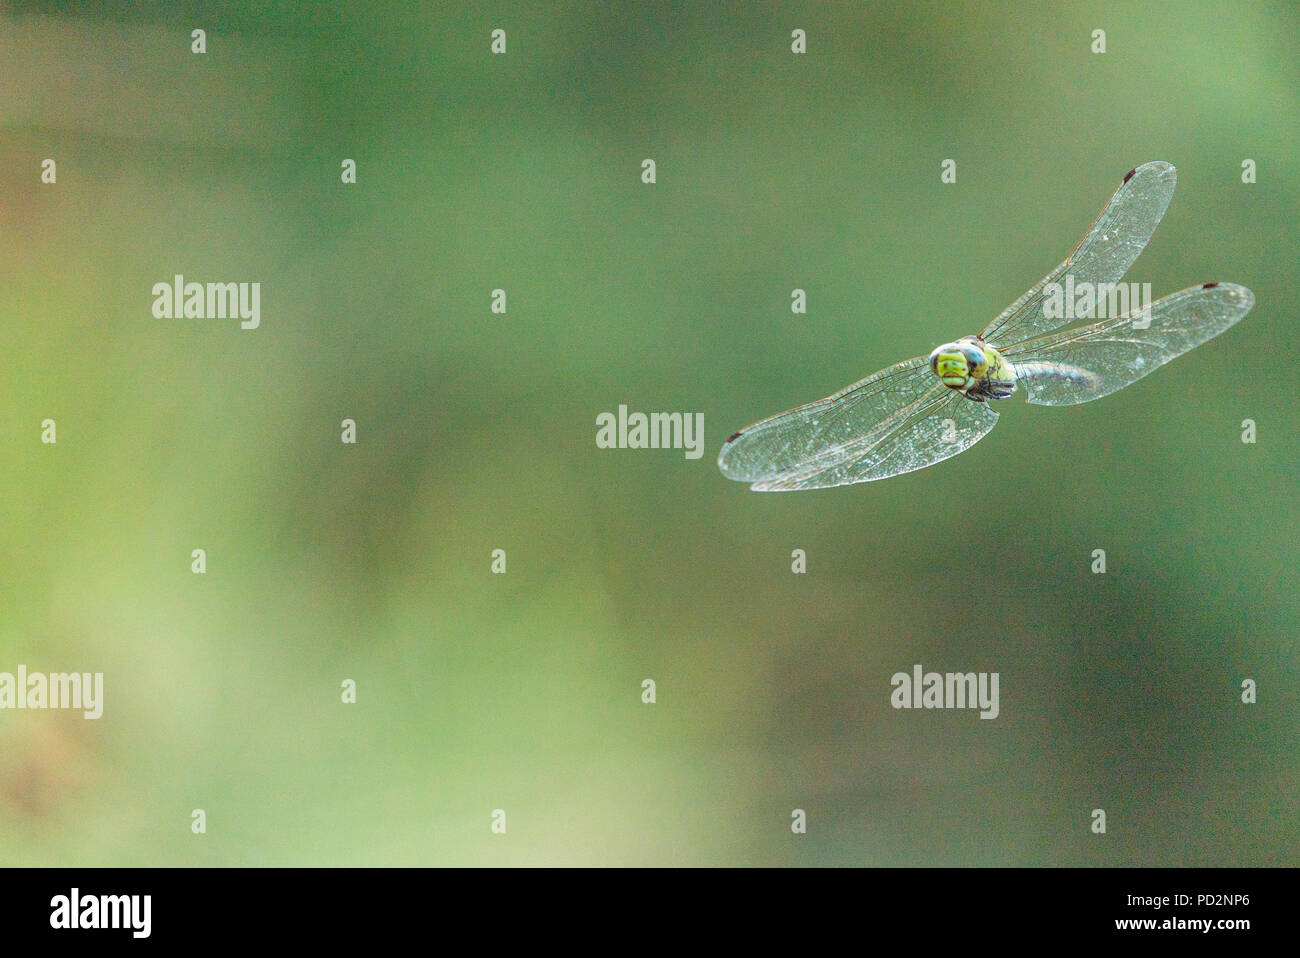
x=973, y=368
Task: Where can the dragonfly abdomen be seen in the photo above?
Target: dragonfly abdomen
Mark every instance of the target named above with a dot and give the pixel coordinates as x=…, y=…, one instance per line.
x=1059, y=372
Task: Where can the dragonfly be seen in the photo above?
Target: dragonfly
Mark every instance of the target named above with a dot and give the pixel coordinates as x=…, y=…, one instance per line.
x=927, y=409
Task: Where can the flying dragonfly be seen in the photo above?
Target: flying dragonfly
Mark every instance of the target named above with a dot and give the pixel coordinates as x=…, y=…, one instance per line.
x=924, y=410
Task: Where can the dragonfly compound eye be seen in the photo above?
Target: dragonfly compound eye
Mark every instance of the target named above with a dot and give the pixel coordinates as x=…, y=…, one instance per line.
x=950, y=365
x=976, y=361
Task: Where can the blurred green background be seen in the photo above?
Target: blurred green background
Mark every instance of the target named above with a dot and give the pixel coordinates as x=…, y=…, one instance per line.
x=477, y=432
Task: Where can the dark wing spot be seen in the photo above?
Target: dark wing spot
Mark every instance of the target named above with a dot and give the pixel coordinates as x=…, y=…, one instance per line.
x=732, y=438
x=1129, y=174
x=1208, y=285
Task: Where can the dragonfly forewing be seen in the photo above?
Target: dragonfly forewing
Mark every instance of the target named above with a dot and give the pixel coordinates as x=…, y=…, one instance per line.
x=1104, y=254
x=826, y=431
x=941, y=425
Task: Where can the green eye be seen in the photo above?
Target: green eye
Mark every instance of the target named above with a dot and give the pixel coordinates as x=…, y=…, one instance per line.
x=974, y=358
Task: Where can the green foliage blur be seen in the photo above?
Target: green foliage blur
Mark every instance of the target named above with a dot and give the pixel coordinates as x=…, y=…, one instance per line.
x=476, y=432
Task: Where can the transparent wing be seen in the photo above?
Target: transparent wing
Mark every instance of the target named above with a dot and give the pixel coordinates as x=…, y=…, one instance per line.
x=896, y=421
x=1078, y=365
x=1104, y=254
x=943, y=424
x=821, y=430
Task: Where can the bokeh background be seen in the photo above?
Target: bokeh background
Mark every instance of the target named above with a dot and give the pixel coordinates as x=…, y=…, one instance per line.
x=477, y=432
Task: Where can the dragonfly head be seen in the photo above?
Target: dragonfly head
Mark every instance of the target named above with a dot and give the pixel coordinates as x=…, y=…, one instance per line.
x=960, y=364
